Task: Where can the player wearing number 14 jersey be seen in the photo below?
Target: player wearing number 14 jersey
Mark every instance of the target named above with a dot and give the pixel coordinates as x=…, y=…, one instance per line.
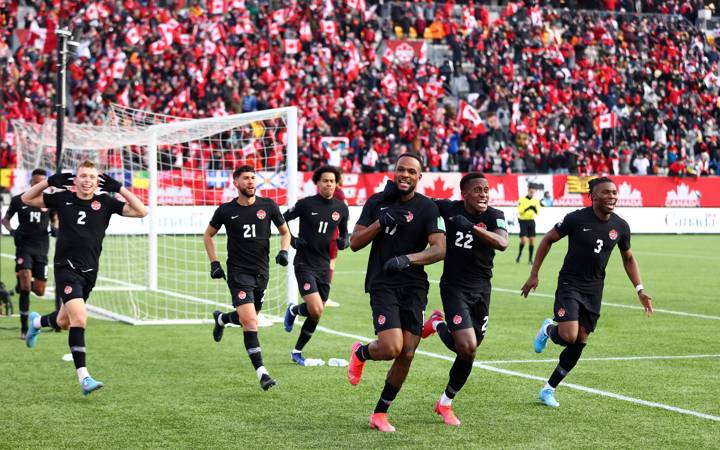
x=593, y=233
x=474, y=231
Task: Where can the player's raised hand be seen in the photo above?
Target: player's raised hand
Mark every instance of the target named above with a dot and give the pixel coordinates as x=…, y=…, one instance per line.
x=390, y=217
x=396, y=263
x=646, y=301
x=282, y=258
x=343, y=242
x=462, y=222
x=390, y=193
x=216, y=270
x=61, y=180
x=530, y=285
x=109, y=184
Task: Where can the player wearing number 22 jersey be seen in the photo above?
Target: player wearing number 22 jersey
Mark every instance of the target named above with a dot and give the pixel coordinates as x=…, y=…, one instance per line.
x=474, y=232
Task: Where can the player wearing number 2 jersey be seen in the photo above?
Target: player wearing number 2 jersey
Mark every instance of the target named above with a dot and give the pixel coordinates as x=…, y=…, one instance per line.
x=593, y=233
x=474, y=231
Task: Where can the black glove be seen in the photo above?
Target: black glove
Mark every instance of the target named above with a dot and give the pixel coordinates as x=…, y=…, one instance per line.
x=390, y=193
x=53, y=232
x=462, y=222
x=389, y=217
x=396, y=263
x=216, y=270
x=109, y=184
x=282, y=258
x=60, y=180
x=296, y=242
x=343, y=242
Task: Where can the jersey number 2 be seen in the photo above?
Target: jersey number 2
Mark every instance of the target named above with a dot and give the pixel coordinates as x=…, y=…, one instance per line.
x=599, y=243
x=468, y=240
x=81, y=217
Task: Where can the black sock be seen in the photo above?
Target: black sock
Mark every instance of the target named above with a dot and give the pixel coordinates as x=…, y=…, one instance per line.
x=24, y=304
x=231, y=317
x=531, y=249
x=58, y=300
x=445, y=336
x=76, y=341
x=252, y=345
x=49, y=320
x=363, y=352
x=459, y=374
x=552, y=331
x=387, y=396
x=300, y=310
x=522, y=246
x=306, y=333
x=568, y=358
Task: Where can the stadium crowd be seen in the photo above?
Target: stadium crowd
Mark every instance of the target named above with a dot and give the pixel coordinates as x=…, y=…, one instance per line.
x=555, y=91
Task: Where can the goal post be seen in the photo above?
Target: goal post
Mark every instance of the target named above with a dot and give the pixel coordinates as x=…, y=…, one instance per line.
x=155, y=270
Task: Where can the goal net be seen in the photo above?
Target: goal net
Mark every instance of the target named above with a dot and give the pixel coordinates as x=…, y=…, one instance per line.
x=155, y=270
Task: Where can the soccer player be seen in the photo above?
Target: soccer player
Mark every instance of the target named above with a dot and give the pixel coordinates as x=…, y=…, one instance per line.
x=340, y=195
x=474, y=231
x=83, y=218
x=528, y=208
x=247, y=222
x=31, y=248
x=593, y=233
x=400, y=223
x=320, y=217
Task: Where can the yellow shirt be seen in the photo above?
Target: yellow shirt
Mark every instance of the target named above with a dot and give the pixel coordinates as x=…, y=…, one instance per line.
x=525, y=208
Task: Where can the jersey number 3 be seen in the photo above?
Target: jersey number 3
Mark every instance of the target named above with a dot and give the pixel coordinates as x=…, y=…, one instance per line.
x=467, y=237
x=599, y=243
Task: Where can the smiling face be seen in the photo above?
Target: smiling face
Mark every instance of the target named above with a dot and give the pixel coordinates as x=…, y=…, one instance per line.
x=407, y=174
x=86, y=181
x=327, y=184
x=476, y=196
x=604, y=197
x=245, y=184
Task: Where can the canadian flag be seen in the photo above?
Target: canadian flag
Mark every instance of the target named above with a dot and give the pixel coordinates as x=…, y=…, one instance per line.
x=604, y=121
x=291, y=46
x=118, y=68
x=209, y=47
x=216, y=6
x=123, y=98
x=328, y=27
x=182, y=39
x=469, y=18
x=265, y=60
x=166, y=30
x=216, y=32
x=96, y=11
x=358, y=5
x=536, y=17
x=132, y=36
x=274, y=29
x=103, y=81
x=158, y=47
x=388, y=56
x=183, y=96
x=237, y=4
x=305, y=32
x=389, y=82
x=468, y=113
x=279, y=16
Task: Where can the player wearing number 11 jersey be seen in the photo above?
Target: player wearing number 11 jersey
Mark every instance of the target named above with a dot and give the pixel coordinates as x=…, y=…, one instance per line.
x=593, y=233
x=474, y=231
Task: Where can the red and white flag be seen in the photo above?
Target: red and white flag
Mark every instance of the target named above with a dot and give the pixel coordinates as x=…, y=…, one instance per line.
x=95, y=11
x=216, y=32
x=118, y=68
x=216, y=7
x=209, y=47
x=237, y=4
x=467, y=113
x=158, y=47
x=388, y=56
x=328, y=27
x=291, y=46
x=182, y=39
x=305, y=32
x=123, y=98
x=132, y=36
x=274, y=29
x=166, y=30
x=265, y=60
x=358, y=5
x=279, y=16
x=604, y=121
x=389, y=83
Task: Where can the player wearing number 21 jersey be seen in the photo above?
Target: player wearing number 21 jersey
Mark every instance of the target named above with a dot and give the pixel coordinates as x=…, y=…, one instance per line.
x=474, y=232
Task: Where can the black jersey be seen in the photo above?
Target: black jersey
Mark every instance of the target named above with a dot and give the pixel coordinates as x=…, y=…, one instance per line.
x=248, y=233
x=82, y=228
x=591, y=241
x=32, y=231
x=319, y=218
x=423, y=220
x=468, y=261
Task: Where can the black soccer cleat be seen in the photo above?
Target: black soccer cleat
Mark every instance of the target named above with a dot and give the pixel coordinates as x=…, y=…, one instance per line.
x=266, y=382
x=217, y=329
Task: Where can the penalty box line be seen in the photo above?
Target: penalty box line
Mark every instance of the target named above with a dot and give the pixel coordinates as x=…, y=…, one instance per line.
x=577, y=387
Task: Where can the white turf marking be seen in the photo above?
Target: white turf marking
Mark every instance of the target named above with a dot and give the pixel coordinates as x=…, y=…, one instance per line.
x=678, y=255
x=608, y=358
x=577, y=387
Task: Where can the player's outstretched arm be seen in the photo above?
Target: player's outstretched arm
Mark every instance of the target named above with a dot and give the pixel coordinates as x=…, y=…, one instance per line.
x=497, y=239
x=532, y=282
x=362, y=235
x=432, y=254
x=633, y=272
x=34, y=195
x=134, y=207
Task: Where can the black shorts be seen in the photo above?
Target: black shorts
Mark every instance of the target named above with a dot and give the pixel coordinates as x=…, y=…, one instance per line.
x=402, y=308
x=571, y=304
x=527, y=228
x=247, y=288
x=466, y=308
x=311, y=282
x=29, y=259
x=71, y=284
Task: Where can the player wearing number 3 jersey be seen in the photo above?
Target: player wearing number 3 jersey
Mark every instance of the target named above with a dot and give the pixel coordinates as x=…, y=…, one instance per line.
x=593, y=233
x=474, y=231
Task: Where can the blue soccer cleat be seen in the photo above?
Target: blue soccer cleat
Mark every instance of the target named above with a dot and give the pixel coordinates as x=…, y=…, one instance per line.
x=289, y=318
x=547, y=396
x=298, y=358
x=541, y=337
x=88, y=385
x=32, y=333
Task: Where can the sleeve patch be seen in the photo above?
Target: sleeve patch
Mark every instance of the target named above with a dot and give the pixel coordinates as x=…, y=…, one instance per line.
x=500, y=223
x=441, y=224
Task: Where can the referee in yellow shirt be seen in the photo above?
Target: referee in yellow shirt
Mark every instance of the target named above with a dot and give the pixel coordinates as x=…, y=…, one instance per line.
x=528, y=208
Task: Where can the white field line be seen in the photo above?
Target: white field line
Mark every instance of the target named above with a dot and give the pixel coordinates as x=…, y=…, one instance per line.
x=577, y=387
x=607, y=358
x=678, y=255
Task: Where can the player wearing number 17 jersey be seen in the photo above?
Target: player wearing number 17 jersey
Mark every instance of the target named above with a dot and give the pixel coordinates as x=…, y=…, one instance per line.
x=83, y=218
x=593, y=232
x=474, y=231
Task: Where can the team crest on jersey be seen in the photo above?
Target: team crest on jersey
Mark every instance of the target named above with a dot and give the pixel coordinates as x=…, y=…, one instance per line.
x=306, y=287
x=381, y=320
x=261, y=214
x=561, y=312
x=67, y=290
x=335, y=216
x=409, y=216
x=613, y=234
x=457, y=320
x=95, y=205
x=242, y=295
x=482, y=225
x=20, y=260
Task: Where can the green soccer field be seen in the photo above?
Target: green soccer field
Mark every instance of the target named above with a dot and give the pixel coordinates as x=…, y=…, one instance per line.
x=641, y=382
